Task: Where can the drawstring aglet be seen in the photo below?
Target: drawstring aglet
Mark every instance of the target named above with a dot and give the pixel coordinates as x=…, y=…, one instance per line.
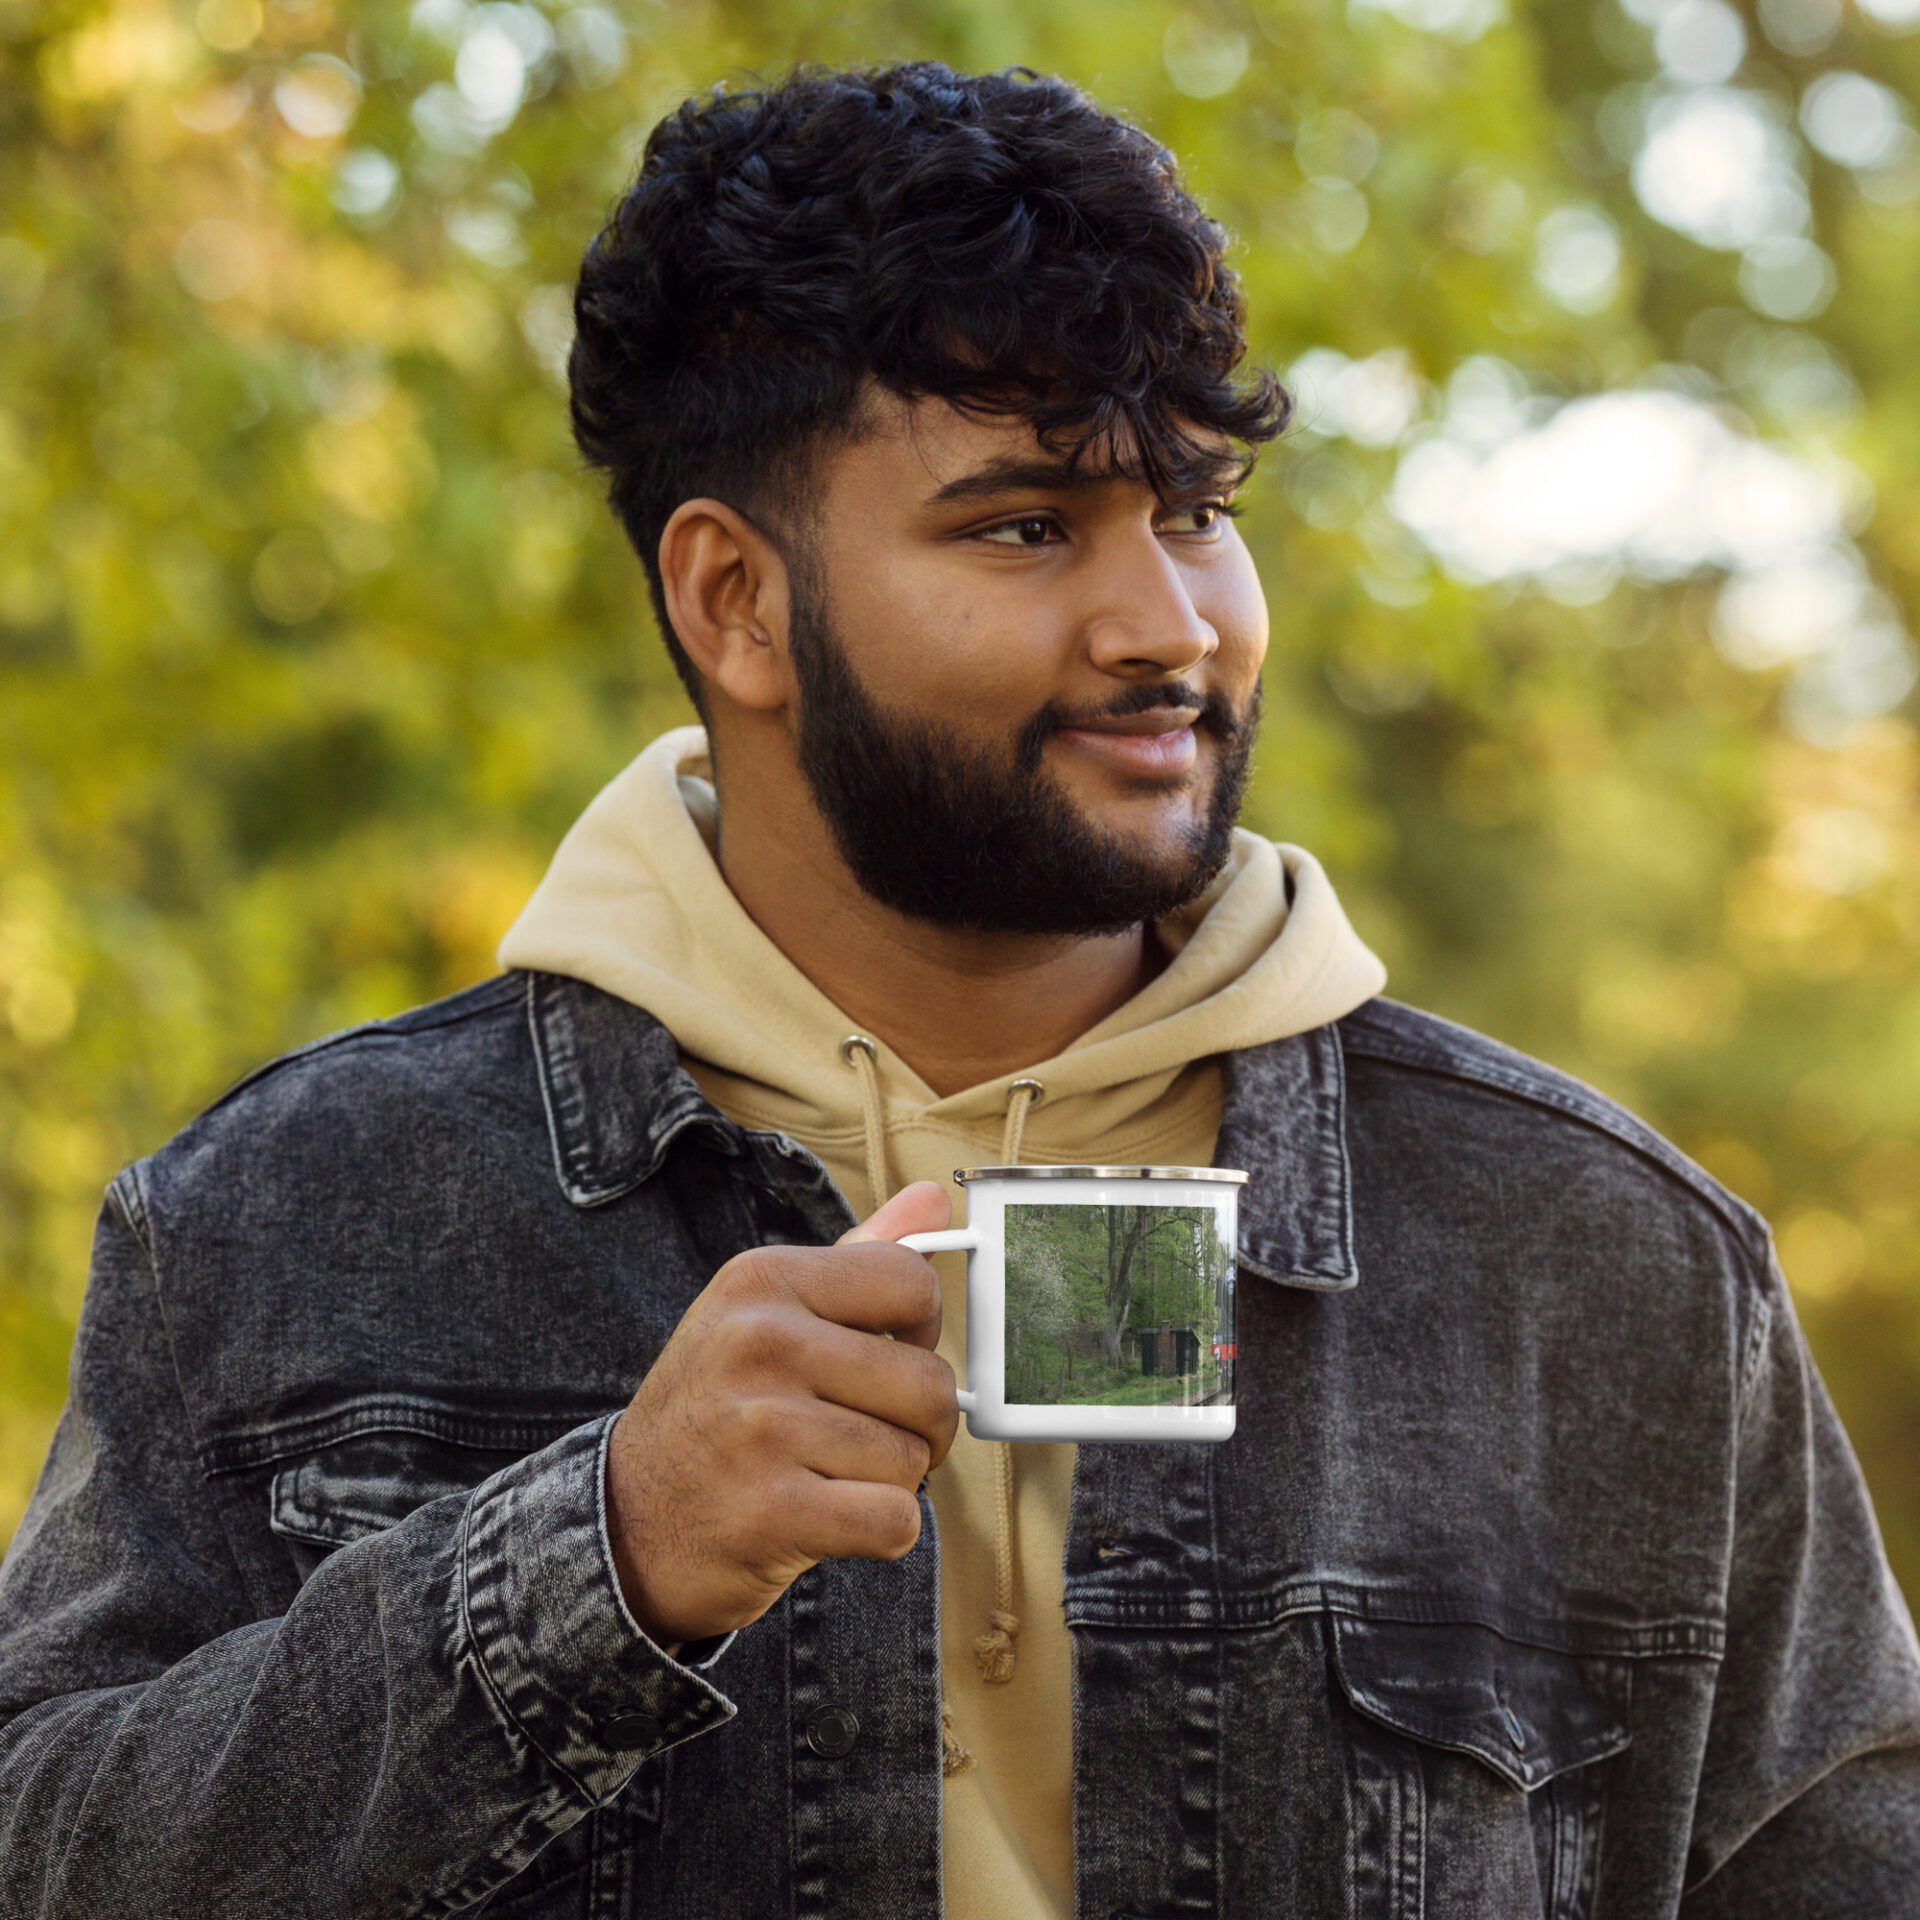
x=954, y=1758
x=993, y=1651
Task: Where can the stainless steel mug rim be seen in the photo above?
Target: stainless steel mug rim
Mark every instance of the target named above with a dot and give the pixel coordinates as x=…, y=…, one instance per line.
x=1229, y=1176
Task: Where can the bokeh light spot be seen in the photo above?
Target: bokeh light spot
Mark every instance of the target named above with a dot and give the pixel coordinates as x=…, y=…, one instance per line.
x=216, y=260
x=292, y=579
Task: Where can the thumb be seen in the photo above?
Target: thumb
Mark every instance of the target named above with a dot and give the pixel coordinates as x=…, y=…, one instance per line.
x=920, y=1208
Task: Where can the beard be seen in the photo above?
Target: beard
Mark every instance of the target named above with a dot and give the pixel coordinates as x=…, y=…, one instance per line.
x=983, y=837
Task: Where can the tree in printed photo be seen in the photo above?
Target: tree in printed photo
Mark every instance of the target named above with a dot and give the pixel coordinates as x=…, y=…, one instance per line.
x=1092, y=1291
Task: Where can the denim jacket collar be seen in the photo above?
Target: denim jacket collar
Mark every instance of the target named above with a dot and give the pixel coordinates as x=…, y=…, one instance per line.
x=617, y=1099
x=1285, y=1121
x=616, y=1095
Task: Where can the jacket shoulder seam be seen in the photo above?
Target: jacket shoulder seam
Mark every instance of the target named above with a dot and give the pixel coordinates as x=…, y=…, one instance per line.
x=127, y=1194
x=474, y=1003
x=1366, y=1033
x=1753, y=1360
x=125, y=1197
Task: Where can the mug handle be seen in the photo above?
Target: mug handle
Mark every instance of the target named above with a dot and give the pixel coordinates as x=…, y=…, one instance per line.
x=953, y=1240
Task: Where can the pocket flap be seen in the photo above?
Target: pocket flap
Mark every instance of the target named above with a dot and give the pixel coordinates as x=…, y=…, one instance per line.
x=1527, y=1712
x=365, y=1485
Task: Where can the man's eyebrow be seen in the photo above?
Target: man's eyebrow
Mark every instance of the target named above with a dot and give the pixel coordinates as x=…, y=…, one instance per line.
x=1028, y=475
x=1015, y=475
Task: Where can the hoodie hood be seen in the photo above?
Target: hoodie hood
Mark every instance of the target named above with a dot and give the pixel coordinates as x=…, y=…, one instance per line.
x=635, y=903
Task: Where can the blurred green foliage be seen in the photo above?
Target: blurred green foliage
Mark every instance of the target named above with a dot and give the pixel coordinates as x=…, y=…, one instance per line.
x=313, y=639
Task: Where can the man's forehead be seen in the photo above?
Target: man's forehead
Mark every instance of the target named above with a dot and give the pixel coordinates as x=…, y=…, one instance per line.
x=946, y=453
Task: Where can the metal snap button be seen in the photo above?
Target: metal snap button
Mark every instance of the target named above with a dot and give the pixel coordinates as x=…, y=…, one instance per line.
x=629, y=1732
x=831, y=1732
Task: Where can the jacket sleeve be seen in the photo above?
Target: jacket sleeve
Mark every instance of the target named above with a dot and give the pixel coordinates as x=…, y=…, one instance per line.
x=439, y=1701
x=1809, y=1795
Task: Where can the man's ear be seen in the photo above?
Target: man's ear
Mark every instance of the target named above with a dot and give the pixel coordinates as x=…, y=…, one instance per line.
x=728, y=596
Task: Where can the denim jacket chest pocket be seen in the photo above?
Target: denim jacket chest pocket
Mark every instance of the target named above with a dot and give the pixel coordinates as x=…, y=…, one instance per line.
x=324, y=1501
x=361, y=1486
x=1476, y=1770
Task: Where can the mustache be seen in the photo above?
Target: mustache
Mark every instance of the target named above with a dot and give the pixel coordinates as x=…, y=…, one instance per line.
x=1215, y=715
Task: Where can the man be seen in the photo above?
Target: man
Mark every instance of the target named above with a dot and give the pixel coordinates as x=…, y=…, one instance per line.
x=499, y=1471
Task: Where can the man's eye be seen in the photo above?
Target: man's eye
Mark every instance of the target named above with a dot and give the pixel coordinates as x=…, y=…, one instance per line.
x=1207, y=518
x=1030, y=530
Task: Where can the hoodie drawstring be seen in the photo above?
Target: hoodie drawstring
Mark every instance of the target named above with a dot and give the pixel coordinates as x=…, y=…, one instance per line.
x=858, y=1052
x=954, y=1758
x=993, y=1650
x=1021, y=1099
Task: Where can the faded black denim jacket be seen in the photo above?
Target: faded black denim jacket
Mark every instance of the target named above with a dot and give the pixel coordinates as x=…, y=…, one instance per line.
x=1538, y=1579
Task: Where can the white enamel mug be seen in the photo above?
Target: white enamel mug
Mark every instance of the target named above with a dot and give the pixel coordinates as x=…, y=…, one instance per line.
x=1100, y=1301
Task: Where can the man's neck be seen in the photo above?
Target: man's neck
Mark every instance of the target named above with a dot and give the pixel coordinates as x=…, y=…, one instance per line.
x=959, y=1007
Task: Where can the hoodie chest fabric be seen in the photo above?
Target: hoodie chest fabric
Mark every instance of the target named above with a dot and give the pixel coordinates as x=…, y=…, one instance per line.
x=1007, y=1845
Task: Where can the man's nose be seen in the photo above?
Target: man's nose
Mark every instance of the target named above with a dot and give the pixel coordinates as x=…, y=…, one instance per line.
x=1145, y=624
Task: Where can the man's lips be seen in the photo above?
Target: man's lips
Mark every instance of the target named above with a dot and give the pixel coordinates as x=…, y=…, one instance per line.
x=1159, y=741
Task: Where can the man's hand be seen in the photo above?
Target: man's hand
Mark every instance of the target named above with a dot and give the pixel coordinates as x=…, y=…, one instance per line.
x=780, y=1426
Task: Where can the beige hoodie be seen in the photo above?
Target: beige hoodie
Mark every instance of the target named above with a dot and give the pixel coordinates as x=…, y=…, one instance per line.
x=635, y=903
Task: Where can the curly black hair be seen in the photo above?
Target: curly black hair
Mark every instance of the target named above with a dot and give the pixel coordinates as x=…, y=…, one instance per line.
x=994, y=240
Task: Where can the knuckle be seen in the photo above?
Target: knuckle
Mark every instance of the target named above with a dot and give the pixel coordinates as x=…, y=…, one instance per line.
x=912, y=1286
x=770, y=1274
x=884, y=1452
x=936, y=1387
x=907, y=1454
x=925, y=1287
x=897, y=1527
x=747, y=1273
x=754, y=1424
x=763, y=1339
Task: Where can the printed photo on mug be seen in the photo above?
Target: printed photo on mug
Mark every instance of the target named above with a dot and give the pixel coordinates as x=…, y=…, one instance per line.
x=1128, y=1306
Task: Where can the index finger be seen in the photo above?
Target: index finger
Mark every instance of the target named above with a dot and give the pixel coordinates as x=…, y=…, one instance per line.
x=920, y=1207
x=871, y=1286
